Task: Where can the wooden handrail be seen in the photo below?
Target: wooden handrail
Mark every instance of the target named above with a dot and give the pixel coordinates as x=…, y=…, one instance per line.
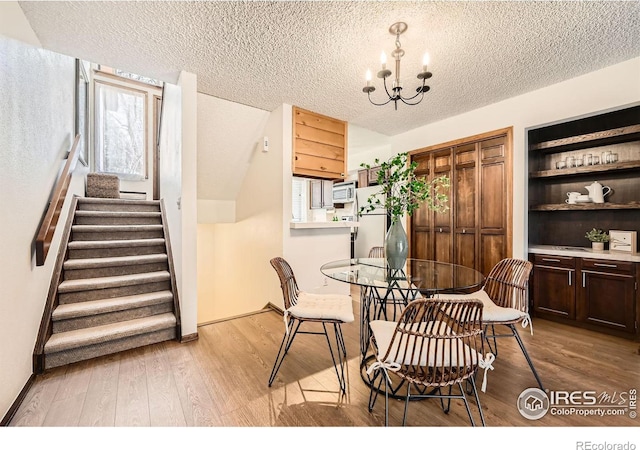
x=48, y=227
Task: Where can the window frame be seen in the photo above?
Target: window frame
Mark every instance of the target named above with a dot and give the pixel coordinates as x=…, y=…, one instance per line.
x=97, y=153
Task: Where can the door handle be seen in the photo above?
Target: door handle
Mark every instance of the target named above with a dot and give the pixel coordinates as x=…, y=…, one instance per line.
x=569, y=278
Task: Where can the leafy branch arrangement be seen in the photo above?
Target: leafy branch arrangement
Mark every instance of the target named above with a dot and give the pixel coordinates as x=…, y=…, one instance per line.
x=596, y=235
x=403, y=192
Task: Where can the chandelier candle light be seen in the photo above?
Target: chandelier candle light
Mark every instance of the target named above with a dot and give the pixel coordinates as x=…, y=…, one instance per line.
x=396, y=90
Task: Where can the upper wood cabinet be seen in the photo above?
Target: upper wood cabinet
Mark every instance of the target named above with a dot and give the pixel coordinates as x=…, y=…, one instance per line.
x=319, y=145
x=368, y=177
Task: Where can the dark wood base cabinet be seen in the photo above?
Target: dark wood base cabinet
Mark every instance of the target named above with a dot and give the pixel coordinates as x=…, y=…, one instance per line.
x=554, y=286
x=598, y=294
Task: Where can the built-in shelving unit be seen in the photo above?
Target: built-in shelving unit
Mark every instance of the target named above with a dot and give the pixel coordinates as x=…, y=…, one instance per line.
x=551, y=220
x=581, y=286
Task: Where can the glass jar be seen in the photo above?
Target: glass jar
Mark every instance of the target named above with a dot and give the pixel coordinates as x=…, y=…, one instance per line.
x=588, y=159
x=571, y=161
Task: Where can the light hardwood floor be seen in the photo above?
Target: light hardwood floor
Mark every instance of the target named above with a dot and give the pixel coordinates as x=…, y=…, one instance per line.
x=220, y=380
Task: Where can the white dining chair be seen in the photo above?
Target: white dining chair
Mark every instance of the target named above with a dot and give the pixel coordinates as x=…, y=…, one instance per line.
x=300, y=307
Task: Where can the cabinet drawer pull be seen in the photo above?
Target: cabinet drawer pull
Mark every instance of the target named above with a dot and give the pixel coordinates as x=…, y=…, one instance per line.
x=584, y=282
x=613, y=266
x=569, y=278
x=550, y=260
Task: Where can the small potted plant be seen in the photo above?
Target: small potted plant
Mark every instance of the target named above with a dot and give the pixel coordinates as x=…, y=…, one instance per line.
x=597, y=238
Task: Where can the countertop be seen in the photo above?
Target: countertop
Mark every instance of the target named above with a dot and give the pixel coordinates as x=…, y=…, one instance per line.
x=331, y=224
x=584, y=252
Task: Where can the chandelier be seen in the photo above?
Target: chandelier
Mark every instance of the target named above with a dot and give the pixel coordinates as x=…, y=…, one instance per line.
x=395, y=95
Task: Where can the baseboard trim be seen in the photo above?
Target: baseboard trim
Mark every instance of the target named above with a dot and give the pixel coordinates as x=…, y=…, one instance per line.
x=275, y=308
x=266, y=309
x=189, y=337
x=16, y=404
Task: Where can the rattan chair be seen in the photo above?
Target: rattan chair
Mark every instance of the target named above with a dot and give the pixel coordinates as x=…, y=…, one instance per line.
x=506, y=302
x=433, y=345
x=376, y=252
x=300, y=307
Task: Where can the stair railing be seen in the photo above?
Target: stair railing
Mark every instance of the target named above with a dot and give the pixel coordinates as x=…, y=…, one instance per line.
x=48, y=227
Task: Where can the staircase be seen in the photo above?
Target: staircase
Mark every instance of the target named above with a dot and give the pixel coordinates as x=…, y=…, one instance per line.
x=115, y=289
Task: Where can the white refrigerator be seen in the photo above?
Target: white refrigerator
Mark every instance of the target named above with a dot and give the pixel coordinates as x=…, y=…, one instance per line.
x=373, y=225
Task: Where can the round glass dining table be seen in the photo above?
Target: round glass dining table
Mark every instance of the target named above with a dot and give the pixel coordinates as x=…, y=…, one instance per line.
x=385, y=291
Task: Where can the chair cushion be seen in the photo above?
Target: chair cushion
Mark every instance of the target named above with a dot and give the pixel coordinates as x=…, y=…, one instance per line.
x=459, y=354
x=490, y=311
x=323, y=306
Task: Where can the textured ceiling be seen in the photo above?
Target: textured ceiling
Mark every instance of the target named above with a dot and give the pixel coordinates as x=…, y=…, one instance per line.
x=228, y=137
x=315, y=54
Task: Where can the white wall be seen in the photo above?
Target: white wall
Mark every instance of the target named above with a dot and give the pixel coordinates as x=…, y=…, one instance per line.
x=364, y=147
x=216, y=211
x=604, y=89
x=178, y=152
x=188, y=263
x=14, y=24
x=234, y=274
x=228, y=133
x=36, y=132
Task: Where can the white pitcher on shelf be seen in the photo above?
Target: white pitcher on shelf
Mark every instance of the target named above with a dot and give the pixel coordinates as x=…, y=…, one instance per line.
x=597, y=192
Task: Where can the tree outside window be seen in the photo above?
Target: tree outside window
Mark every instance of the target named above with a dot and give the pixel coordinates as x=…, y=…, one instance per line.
x=120, y=131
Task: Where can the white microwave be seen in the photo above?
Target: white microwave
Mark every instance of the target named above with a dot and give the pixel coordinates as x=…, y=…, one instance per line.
x=344, y=192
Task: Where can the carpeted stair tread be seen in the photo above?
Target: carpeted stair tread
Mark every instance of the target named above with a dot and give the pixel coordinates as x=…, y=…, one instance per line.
x=86, y=284
x=89, y=213
x=92, y=263
x=116, y=201
x=83, y=309
x=104, y=333
x=76, y=245
x=112, y=228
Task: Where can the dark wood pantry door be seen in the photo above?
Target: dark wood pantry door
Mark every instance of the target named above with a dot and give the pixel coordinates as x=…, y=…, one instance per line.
x=476, y=231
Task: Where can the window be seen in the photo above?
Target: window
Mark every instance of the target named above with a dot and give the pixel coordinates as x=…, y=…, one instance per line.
x=140, y=78
x=120, y=131
x=298, y=203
